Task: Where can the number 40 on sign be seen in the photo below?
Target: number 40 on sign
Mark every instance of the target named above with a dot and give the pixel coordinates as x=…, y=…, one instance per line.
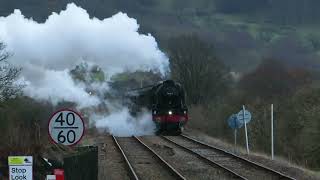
x=66, y=127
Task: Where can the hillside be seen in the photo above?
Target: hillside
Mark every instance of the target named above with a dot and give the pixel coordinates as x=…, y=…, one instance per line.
x=242, y=32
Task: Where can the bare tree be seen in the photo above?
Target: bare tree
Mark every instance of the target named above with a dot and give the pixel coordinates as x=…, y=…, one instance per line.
x=8, y=76
x=193, y=63
x=273, y=79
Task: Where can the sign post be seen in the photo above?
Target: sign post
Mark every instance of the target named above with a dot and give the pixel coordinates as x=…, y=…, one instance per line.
x=66, y=127
x=20, y=167
x=244, y=117
x=272, y=146
x=234, y=123
x=245, y=129
x=235, y=139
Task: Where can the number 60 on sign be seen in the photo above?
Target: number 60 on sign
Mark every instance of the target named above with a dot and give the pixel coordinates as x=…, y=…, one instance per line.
x=66, y=127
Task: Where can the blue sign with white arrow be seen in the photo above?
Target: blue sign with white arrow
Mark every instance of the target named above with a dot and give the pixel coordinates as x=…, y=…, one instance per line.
x=234, y=123
x=247, y=116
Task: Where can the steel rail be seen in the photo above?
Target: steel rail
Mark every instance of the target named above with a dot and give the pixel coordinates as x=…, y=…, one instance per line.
x=205, y=158
x=165, y=163
x=133, y=174
x=238, y=157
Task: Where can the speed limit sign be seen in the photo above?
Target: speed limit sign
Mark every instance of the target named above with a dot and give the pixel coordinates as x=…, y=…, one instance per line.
x=66, y=127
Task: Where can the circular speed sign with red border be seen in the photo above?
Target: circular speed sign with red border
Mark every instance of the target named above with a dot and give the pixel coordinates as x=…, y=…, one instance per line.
x=66, y=127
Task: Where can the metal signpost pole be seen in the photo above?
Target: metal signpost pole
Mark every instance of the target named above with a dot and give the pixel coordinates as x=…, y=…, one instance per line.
x=245, y=129
x=235, y=140
x=272, y=147
x=234, y=124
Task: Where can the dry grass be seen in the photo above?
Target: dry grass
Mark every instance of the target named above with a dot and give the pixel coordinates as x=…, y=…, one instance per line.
x=19, y=140
x=279, y=163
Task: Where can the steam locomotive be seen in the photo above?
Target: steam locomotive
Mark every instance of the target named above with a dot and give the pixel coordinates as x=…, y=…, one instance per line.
x=166, y=101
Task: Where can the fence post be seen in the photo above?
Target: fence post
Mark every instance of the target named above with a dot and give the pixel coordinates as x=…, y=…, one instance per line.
x=272, y=146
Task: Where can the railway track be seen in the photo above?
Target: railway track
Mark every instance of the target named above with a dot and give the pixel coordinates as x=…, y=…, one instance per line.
x=190, y=164
x=142, y=162
x=241, y=167
x=111, y=164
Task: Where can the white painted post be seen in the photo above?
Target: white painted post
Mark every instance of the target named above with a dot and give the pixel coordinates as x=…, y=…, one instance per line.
x=245, y=129
x=272, y=147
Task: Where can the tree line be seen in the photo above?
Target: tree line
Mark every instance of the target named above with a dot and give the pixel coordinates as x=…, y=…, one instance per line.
x=213, y=94
x=285, y=12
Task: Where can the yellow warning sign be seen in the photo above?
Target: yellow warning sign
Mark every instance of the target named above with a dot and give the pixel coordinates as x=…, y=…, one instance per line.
x=19, y=160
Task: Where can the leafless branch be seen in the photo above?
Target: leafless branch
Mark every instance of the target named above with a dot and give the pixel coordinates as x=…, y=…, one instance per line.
x=8, y=76
x=4, y=55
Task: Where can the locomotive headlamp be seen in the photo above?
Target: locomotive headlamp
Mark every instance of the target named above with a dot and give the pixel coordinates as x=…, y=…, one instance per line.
x=170, y=112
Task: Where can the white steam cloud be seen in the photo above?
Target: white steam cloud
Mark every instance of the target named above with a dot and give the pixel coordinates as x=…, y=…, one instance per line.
x=47, y=51
x=126, y=125
x=65, y=90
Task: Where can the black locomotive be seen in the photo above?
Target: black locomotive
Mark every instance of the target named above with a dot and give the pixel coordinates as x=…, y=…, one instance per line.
x=166, y=101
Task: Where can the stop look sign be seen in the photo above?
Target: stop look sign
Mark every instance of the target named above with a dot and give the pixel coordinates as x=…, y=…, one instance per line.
x=66, y=127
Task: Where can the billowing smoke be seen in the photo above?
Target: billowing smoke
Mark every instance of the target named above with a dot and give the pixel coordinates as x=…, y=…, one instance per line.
x=48, y=51
x=46, y=88
x=126, y=125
